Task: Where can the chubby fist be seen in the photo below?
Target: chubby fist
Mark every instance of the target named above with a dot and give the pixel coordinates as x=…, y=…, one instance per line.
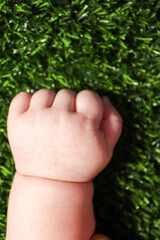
x=62, y=136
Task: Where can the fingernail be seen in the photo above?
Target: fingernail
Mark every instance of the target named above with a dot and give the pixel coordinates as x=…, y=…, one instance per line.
x=106, y=100
x=109, y=104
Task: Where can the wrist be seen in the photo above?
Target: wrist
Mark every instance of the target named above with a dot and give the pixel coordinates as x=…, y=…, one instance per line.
x=38, y=202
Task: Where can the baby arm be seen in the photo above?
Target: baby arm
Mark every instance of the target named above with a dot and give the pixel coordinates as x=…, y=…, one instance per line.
x=60, y=142
x=42, y=209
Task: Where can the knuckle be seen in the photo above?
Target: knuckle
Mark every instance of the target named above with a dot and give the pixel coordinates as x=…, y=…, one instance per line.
x=66, y=91
x=42, y=93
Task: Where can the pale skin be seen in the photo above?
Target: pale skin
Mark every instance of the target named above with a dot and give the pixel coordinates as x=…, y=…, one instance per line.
x=60, y=142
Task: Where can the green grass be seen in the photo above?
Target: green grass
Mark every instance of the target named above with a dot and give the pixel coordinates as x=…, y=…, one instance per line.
x=112, y=47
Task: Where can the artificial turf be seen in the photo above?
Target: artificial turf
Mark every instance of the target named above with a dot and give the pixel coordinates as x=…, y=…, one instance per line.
x=113, y=48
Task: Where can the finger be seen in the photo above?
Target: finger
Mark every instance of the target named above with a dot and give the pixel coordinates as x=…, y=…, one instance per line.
x=111, y=124
x=89, y=104
x=65, y=99
x=19, y=104
x=43, y=98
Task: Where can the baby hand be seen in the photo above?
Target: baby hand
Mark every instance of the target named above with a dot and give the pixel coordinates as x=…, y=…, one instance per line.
x=62, y=136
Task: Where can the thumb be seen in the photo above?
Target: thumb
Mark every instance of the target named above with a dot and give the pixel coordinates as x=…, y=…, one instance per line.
x=99, y=237
x=111, y=124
